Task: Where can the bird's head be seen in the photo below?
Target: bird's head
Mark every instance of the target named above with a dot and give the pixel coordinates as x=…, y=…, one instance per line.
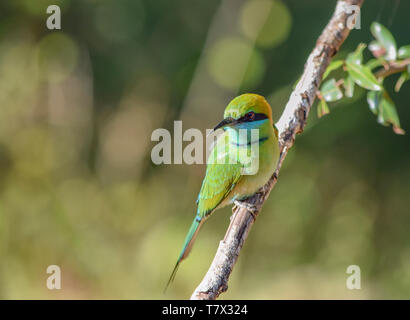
x=244, y=109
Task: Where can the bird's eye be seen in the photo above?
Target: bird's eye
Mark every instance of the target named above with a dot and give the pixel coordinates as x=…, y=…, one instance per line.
x=250, y=115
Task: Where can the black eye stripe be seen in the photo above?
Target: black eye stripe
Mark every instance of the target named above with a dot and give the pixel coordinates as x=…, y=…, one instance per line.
x=258, y=116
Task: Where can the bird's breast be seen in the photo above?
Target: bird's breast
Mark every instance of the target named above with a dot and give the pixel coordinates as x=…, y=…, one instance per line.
x=259, y=159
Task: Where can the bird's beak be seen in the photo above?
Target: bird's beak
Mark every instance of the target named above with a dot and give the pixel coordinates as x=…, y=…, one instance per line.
x=226, y=122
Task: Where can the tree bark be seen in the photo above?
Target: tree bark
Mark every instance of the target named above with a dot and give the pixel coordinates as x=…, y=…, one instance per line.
x=291, y=122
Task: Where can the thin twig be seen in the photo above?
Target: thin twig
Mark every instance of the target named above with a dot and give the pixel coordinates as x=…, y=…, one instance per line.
x=392, y=68
x=292, y=122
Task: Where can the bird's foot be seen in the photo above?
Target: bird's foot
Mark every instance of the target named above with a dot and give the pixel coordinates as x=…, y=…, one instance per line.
x=252, y=209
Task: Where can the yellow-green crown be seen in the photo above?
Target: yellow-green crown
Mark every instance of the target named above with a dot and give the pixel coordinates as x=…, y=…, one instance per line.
x=245, y=103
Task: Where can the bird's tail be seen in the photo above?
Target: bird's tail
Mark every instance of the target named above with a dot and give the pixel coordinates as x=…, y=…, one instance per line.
x=186, y=249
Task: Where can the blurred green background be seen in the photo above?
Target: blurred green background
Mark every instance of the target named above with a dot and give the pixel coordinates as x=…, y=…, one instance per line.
x=78, y=188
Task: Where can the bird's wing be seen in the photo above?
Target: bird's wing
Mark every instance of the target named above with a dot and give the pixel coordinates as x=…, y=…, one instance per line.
x=219, y=180
x=221, y=177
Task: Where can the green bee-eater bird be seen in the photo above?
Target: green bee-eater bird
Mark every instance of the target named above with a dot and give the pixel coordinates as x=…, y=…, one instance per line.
x=227, y=181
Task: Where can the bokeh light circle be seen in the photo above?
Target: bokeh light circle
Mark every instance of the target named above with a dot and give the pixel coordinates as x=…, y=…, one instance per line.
x=267, y=22
x=233, y=62
x=57, y=56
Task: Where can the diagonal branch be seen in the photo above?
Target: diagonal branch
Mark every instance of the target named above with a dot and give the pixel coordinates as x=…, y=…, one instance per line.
x=292, y=122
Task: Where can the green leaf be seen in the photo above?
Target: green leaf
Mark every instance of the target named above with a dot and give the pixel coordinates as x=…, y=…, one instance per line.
x=374, y=63
x=322, y=108
x=405, y=75
x=376, y=49
x=383, y=106
x=373, y=99
x=356, y=56
x=330, y=91
x=363, y=76
x=404, y=52
x=336, y=64
x=388, y=114
x=349, y=86
x=386, y=40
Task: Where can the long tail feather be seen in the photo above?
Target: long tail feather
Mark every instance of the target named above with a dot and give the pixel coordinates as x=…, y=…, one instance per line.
x=172, y=277
x=186, y=249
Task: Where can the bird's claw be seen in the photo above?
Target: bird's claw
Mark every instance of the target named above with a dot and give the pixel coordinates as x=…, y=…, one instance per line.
x=252, y=209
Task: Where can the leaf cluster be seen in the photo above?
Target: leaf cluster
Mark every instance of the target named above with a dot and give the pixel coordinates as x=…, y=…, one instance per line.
x=387, y=60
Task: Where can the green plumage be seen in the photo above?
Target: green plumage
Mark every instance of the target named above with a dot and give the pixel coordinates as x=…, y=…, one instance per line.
x=219, y=179
x=225, y=180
